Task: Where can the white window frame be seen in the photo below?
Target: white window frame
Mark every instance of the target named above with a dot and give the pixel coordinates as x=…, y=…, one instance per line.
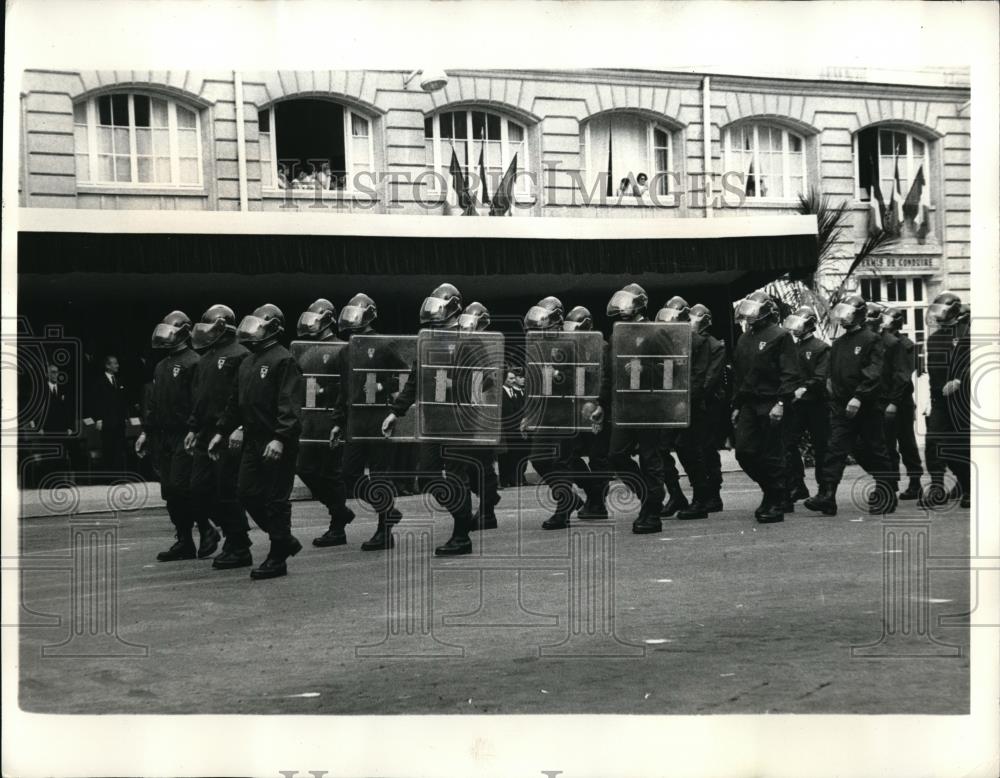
x=173, y=134
x=668, y=199
x=911, y=161
x=909, y=305
x=729, y=155
x=522, y=188
x=348, y=130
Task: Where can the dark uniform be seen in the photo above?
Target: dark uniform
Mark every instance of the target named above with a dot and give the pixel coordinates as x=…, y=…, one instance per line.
x=810, y=413
x=947, y=443
x=856, y=372
x=268, y=404
x=166, y=425
x=900, y=436
x=894, y=380
x=213, y=483
x=766, y=371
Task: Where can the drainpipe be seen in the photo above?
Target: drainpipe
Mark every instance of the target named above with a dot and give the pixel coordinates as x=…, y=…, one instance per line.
x=241, y=140
x=706, y=139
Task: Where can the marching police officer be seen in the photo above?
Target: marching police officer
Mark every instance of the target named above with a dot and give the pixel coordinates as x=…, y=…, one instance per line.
x=484, y=484
x=855, y=391
x=676, y=309
x=809, y=411
x=766, y=374
x=595, y=443
x=319, y=467
x=629, y=305
x=357, y=318
x=948, y=427
x=164, y=429
x=710, y=408
x=439, y=312
x=268, y=404
x=213, y=483
x=900, y=437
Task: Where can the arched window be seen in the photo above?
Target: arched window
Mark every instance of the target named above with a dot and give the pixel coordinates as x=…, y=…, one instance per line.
x=879, y=152
x=312, y=143
x=131, y=138
x=634, y=152
x=771, y=160
x=476, y=135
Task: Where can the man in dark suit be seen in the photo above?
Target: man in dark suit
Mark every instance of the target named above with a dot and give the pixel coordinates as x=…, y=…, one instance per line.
x=58, y=417
x=111, y=416
x=511, y=407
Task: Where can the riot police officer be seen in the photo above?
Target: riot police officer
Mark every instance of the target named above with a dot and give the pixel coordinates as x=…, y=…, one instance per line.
x=358, y=318
x=319, y=465
x=900, y=437
x=164, y=429
x=267, y=403
x=766, y=374
x=440, y=313
x=948, y=427
x=213, y=483
x=855, y=391
x=629, y=305
x=809, y=411
x=711, y=407
x=484, y=482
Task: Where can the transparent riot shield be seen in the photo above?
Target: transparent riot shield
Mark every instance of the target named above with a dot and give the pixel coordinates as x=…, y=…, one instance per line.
x=459, y=375
x=651, y=372
x=319, y=362
x=563, y=376
x=379, y=368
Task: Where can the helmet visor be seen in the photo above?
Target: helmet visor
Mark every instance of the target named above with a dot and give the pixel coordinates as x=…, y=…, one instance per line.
x=204, y=335
x=846, y=314
x=310, y=323
x=538, y=318
x=798, y=325
x=749, y=310
x=699, y=321
x=470, y=322
x=622, y=303
x=577, y=326
x=436, y=311
x=166, y=335
x=352, y=317
x=940, y=313
x=669, y=314
x=252, y=329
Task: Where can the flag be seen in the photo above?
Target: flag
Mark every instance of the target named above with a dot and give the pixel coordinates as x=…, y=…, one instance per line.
x=751, y=185
x=918, y=205
x=876, y=224
x=485, y=197
x=464, y=199
x=911, y=205
x=894, y=212
x=611, y=180
x=503, y=197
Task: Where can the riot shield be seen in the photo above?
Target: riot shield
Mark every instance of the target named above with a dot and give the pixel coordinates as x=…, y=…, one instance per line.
x=380, y=366
x=651, y=372
x=459, y=375
x=563, y=375
x=320, y=365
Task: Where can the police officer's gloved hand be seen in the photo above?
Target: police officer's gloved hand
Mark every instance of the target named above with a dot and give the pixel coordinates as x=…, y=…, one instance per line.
x=388, y=425
x=274, y=450
x=140, y=445
x=853, y=407
x=236, y=439
x=951, y=387
x=800, y=393
x=189, y=442
x=336, y=437
x=890, y=411
x=213, y=446
x=777, y=413
x=735, y=415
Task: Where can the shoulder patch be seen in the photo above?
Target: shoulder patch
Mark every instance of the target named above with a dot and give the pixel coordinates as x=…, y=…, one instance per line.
x=263, y=371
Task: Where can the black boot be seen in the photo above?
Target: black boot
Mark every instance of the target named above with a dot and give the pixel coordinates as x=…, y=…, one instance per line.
x=825, y=500
x=883, y=499
x=485, y=517
x=799, y=492
x=675, y=502
x=381, y=540
x=783, y=502
x=713, y=503
x=594, y=508
x=558, y=520
x=647, y=524
x=183, y=548
x=208, y=540
x=232, y=558
x=335, y=535
x=966, y=502
x=763, y=507
x=696, y=510
x=773, y=510
x=274, y=566
x=956, y=492
x=912, y=490
x=459, y=543
x=933, y=496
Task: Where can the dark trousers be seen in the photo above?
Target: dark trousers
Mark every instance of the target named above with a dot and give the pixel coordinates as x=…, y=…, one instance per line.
x=557, y=460
x=482, y=476
x=444, y=473
x=376, y=487
x=213, y=492
x=319, y=467
x=812, y=417
x=265, y=486
x=595, y=447
x=113, y=448
x=760, y=448
x=671, y=475
x=646, y=442
x=716, y=431
x=512, y=460
x=690, y=446
x=901, y=440
x=173, y=464
x=861, y=435
x=947, y=443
